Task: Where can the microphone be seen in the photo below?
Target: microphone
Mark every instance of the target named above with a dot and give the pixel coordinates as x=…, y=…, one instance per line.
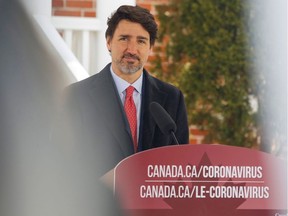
x=163, y=120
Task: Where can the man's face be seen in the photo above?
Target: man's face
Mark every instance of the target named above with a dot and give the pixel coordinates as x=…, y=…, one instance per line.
x=130, y=48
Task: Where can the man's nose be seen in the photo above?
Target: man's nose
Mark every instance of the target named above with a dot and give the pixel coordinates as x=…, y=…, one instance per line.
x=132, y=47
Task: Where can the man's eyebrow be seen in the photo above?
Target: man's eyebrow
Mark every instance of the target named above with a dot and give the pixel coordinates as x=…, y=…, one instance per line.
x=123, y=35
x=142, y=38
x=138, y=37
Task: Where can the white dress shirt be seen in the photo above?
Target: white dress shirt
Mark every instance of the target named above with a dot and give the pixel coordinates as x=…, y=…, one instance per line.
x=121, y=86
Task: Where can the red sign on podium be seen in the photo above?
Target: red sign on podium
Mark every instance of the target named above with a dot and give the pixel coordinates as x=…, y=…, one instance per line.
x=202, y=180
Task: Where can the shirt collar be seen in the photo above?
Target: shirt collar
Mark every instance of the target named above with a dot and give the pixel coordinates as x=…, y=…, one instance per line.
x=122, y=84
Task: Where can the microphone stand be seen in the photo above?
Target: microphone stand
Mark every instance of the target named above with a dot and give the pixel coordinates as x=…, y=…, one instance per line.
x=174, y=137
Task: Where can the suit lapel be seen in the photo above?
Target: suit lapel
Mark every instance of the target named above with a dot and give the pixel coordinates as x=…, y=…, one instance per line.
x=152, y=93
x=108, y=105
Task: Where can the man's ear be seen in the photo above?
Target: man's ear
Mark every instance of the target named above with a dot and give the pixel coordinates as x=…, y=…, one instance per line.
x=151, y=49
x=108, y=43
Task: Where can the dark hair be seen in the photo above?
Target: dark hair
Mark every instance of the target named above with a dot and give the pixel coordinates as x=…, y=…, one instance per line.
x=133, y=14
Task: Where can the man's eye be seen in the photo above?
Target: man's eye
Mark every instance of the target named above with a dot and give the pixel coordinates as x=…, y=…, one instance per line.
x=123, y=39
x=142, y=42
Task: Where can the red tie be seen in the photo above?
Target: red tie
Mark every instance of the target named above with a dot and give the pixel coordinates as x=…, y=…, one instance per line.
x=130, y=109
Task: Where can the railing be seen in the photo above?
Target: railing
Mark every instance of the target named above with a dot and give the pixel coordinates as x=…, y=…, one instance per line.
x=78, y=72
x=80, y=35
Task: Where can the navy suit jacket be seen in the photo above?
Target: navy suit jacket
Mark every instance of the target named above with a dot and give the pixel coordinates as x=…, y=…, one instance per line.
x=99, y=131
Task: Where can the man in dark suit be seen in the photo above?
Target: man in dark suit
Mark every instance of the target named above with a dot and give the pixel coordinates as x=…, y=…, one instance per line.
x=101, y=130
x=97, y=104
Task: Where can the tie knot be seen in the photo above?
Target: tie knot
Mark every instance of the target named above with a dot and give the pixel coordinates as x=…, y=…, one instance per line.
x=129, y=91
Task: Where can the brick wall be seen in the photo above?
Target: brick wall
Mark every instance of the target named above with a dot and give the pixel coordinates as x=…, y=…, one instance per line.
x=196, y=136
x=79, y=8
x=150, y=4
x=87, y=8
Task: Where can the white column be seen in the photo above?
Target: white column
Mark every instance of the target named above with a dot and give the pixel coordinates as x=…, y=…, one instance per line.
x=68, y=37
x=85, y=50
x=104, y=10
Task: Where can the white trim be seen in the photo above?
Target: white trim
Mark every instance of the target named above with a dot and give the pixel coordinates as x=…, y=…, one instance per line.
x=76, y=23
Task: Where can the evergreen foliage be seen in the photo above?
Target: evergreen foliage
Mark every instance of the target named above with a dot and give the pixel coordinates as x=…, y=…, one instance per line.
x=208, y=59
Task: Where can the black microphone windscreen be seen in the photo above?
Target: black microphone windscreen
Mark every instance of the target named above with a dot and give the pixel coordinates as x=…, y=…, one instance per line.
x=162, y=118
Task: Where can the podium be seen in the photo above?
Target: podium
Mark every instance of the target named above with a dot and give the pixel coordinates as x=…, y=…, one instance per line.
x=202, y=180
